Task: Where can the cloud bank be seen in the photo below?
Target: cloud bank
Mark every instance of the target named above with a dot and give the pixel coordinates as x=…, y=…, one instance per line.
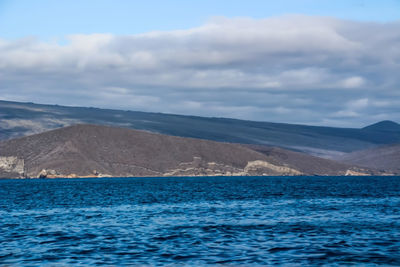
x=296, y=69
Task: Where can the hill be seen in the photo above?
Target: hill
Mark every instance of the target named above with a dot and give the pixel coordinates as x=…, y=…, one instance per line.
x=380, y=158
x=90, y=150
x=383, y=126
x=21, y=119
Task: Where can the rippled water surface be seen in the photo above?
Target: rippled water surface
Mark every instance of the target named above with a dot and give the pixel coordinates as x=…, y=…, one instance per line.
x=198, y=221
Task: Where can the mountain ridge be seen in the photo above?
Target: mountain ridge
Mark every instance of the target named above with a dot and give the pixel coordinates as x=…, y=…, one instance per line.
x=19, y=119
x=385, y=125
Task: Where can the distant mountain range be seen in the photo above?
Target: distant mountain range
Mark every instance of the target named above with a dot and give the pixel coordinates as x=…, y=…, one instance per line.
x=21, y=119
x=99, y=151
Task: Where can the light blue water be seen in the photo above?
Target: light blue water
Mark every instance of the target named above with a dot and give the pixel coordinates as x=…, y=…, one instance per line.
x=198, y=221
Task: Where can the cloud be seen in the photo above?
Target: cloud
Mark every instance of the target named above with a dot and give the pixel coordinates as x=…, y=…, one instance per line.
x=358, y=104
x=353, y=82
x=299, y=69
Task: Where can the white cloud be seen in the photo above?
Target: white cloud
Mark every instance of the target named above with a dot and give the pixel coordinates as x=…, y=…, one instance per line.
x=346, y=114
x=358, y=104
x=241, y=67
x=353, y=82
x=353, y=108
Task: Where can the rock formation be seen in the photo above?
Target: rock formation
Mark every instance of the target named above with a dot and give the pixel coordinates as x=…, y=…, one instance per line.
x=12, y=165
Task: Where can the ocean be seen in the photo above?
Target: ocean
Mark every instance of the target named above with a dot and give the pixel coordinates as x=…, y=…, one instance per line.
x=196, y=221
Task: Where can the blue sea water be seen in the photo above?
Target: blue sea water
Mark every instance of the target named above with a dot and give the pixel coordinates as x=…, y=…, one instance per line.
x=201, y=220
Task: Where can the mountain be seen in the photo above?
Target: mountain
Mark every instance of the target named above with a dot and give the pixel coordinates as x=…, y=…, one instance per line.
x=21, y=119
x=383, y=126
x=381, y=158
x=90, y=150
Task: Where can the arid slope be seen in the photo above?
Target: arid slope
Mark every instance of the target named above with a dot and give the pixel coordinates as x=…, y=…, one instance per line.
x=382, y=158
x=90, y=150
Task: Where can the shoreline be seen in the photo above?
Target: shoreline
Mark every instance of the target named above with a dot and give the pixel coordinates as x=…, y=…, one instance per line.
x=192, y=176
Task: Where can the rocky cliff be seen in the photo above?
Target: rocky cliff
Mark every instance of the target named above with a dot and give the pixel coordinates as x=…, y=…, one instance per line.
x=13, y=166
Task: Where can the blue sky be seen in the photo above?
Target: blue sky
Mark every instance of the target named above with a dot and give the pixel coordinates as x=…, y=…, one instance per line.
x=319, y=62
x=48, y=18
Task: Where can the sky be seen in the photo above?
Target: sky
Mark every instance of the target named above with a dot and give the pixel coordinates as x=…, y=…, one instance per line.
x=318, y=62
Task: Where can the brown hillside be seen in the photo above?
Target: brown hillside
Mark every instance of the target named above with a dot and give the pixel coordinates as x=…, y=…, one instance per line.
x=81, y=149
x=385, y=158
x=90, y=150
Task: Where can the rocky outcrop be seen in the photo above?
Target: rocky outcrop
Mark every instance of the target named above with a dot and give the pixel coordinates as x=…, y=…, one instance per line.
x=355, y=173
x=198, y=167
x=12, y=165
x=265, y=167
x=48, y=173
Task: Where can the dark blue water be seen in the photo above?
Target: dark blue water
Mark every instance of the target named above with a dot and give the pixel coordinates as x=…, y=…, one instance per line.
x=198, y=221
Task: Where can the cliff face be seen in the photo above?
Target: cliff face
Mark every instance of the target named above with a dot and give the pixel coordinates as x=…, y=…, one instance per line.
x=12, y=165
x=97, y=151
